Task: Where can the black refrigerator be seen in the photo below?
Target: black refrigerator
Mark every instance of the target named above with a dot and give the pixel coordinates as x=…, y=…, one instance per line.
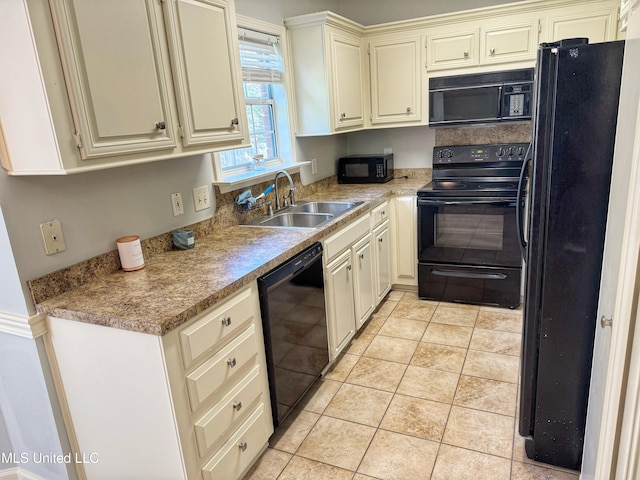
x=574, y=128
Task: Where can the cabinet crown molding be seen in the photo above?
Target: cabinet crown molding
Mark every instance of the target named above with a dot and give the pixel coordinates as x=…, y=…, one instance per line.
x=328, y=18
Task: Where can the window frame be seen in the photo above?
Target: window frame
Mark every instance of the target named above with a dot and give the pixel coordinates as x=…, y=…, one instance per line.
x=283, y=114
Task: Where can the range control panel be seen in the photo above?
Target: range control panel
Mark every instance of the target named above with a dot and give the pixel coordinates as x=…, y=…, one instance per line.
x=480, y=153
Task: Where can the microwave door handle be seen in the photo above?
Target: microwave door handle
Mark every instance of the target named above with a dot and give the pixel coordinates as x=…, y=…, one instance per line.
x=499, y=110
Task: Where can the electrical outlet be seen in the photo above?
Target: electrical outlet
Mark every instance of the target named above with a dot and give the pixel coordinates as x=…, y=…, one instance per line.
x=52, y=237
x=176, y=202
x=201, y=198
x=314, y=166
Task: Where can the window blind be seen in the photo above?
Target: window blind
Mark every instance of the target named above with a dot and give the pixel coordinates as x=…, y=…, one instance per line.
x=260, y=58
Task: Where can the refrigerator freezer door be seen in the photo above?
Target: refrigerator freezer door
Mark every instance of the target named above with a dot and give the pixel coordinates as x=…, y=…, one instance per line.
x=574, y=139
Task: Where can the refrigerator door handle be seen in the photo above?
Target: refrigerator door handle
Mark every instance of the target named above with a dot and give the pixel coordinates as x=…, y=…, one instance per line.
x=519, y=203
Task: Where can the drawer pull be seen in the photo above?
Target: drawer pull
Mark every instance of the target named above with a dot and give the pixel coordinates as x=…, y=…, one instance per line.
x=226, y=321
x=242, y=446
x=237, y=406
x=231, y=362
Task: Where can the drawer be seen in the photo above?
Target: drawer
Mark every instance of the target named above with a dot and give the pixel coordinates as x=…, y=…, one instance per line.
x=213, y=373
x=213, y=326
x=210, y=428
x=379, y=214
x=346, y=237
x=241, y=450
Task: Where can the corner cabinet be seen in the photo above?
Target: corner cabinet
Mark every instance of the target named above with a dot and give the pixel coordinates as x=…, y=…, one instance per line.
x=328, y=74
x=395, y=73
x=145, y=80
x=193, y=404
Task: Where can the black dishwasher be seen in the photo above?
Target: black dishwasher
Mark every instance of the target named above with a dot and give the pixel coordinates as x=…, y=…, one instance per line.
x=295, y=328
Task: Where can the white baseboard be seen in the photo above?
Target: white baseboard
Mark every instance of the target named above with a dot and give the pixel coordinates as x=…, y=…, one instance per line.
x=18, y=473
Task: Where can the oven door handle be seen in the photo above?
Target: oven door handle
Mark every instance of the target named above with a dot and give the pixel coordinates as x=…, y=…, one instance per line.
x=520, y=204
x=427, y=202
x=455, y=273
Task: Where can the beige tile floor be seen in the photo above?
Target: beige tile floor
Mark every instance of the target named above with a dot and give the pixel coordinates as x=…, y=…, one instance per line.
x=424, y=391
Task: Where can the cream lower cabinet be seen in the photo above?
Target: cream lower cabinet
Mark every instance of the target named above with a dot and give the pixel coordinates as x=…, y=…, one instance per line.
x=349, y=287
x=365, y=292
x=193, y=404
x=382, y=247
x=119, y=84
x=404, y=225
x=395, y=74
x=339, y=291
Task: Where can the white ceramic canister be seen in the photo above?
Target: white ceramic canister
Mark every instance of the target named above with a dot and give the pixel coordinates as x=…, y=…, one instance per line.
x=130, y=252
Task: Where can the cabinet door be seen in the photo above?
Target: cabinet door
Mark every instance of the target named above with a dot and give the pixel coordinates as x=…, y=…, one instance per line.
x=348, y=102
x=205, y=62
x=364, y=286
x=382, y=273
x=596, y=26
x=509, y=44
x=405, y=260
x=341, y=314
x=116, y=75
x=395, y=80
x=447, y=50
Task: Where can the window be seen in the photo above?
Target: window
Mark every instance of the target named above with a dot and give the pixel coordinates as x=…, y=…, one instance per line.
x=267, y=113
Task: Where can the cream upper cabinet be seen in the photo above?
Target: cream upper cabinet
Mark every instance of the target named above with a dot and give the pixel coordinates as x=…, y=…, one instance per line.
x=598, y=24
x=347, y=75
x=120, y=83
x=114, y=67
x=447, y=49
x=470, y=44
x=515, y=42
x=328, y=74
x=210, y=103
x=395, y=73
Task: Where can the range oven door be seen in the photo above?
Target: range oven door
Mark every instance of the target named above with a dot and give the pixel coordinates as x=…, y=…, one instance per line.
x=468, y=231
x=469, y=251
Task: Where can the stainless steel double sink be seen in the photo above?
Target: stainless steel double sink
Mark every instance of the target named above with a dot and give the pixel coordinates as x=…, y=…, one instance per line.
x=304, y=214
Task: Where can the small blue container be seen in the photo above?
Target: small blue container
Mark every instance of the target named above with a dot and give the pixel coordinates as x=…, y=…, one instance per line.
x=183, y=239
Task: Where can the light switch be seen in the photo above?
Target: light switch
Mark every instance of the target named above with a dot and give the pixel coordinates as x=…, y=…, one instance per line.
x=53, y=238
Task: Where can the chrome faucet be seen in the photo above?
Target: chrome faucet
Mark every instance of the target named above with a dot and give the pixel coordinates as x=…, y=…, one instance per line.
x=292, y=188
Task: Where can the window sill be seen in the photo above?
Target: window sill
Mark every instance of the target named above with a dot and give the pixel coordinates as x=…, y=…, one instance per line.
x=247, y=179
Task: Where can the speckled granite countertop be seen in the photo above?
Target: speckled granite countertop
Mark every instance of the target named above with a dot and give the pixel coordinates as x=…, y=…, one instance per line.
x=175, y=286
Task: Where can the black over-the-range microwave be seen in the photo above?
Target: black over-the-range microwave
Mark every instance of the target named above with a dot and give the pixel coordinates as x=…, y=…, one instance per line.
x=365, y=168
x=481, y=98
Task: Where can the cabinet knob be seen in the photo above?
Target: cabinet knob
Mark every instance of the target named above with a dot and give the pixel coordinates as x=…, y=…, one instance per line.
x=343, y=116
x=408, y=109
x=362, y=256
x=380, y=240
x=231, y=362
x=492, y=51
x=242, y=446
x=234, y=121
x=226, y=321
x=349, y=268
x=606, y=322
x=237, y=406
x=466, y=54
x=161, y=125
